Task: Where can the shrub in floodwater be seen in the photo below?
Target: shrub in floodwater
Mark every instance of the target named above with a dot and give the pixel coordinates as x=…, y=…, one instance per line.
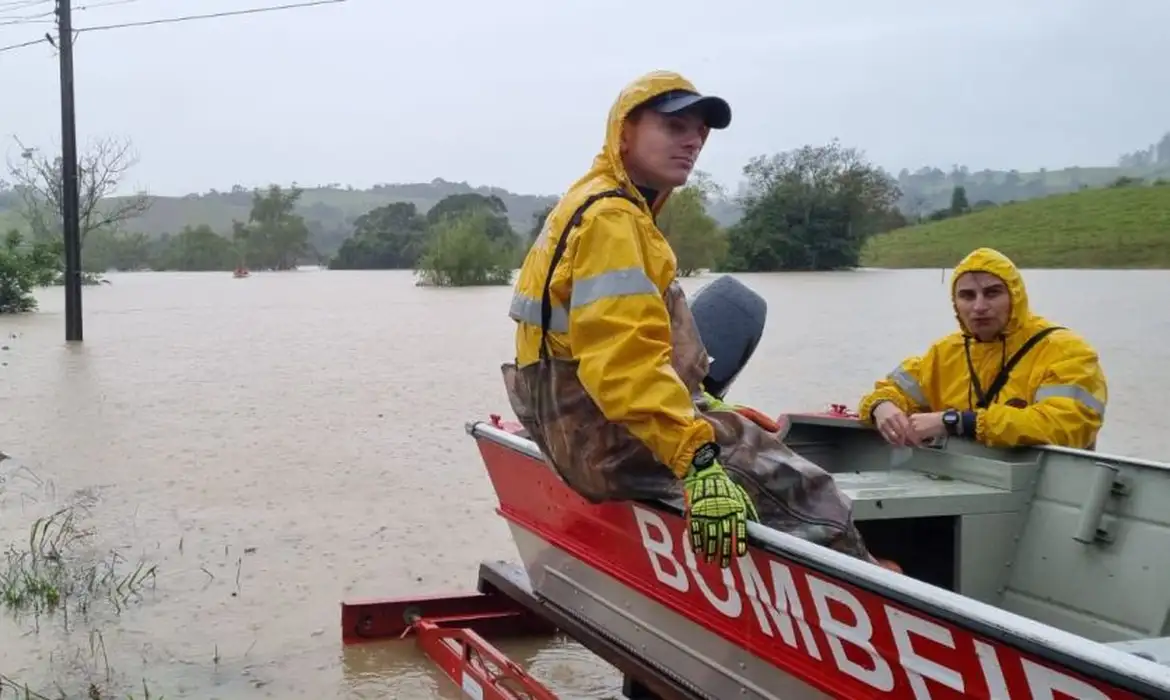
x=466, y=251
x=24, y=266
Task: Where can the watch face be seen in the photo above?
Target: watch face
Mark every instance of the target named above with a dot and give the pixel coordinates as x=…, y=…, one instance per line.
x=705, y=455
x=950, y=418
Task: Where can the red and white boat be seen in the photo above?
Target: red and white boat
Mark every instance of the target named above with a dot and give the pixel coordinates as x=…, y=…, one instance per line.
x=1030, y=574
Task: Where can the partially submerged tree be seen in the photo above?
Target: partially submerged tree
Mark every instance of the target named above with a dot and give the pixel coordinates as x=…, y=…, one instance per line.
x=275, y=236
x=461, y=251
x=38, y=181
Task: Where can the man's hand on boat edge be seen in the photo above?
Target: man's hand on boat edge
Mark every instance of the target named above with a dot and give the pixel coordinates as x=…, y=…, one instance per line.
x=717, y=509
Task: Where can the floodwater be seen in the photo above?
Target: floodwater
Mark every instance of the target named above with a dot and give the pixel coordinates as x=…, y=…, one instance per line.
x=279, y=443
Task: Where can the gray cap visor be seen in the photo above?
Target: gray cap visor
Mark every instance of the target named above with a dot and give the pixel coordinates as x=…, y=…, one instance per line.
x=715, y=110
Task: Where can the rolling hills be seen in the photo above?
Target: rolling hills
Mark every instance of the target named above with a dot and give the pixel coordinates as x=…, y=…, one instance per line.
x=332, y=207
x=1114, y=227
x=329, y=210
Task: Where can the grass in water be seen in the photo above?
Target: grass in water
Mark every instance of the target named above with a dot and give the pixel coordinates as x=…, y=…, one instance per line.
x=57, y=573
x=19, y=691
x=51, y=575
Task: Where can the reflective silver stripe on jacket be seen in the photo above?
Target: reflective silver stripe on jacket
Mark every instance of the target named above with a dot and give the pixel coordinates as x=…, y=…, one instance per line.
x=525, y=309
x=614, y=283
x=909, y=385
x=1070, y=391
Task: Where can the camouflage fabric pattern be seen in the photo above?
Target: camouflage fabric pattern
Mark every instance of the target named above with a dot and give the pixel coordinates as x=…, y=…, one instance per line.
x=603, y=461
x=791, y=494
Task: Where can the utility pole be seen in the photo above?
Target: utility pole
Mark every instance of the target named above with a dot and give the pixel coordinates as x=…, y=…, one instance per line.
x=70, y=204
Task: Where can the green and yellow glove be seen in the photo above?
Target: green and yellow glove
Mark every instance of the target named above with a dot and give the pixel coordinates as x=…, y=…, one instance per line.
x=714, y=404
x=717, y=508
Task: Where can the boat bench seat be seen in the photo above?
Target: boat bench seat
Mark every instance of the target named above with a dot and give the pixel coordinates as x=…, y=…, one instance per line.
x=1156, y=649
x=904, y=493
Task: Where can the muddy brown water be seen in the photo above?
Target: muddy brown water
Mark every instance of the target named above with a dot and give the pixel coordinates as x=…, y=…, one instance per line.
x=279, y=443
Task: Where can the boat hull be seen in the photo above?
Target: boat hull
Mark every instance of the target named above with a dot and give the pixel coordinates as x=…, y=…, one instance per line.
x=677, y=647
x=791, y=620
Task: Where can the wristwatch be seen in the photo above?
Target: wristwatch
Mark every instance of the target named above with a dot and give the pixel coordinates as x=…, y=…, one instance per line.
x=705, y=456
x=953, y=422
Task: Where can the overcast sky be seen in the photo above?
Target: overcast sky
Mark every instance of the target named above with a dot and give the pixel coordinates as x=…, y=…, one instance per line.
x=514, y=92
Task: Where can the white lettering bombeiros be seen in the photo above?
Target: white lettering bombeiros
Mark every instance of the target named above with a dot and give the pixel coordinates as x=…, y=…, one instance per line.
x=782, y=607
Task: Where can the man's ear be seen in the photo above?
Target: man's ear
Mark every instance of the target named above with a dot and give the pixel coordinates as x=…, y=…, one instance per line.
x=627, y=139
x=631, y=121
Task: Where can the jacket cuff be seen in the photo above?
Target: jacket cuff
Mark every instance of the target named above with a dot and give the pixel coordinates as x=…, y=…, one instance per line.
x=980, y=425
x=682, y=460
x=969, y=421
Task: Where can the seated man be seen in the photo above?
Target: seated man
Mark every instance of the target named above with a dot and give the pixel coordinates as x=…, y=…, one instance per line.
x=609, y=363
x=1006, y=378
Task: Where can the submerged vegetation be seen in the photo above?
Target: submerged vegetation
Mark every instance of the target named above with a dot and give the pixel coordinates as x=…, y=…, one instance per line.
x=49, y=574
x=58, y=575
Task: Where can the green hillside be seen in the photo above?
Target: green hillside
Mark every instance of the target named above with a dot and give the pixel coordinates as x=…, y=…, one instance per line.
x=929, y=189
x=330, y=211
x=1116, y=227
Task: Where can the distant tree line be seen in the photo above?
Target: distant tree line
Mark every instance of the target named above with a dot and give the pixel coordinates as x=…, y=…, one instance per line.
x=807, y=209
x=926, y=192
x=960, y=205
x=273, y=238
x=812, y=208
x=465, y=239
x=1156, y=154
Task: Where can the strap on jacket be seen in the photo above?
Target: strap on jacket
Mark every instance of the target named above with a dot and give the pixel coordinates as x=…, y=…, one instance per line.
x=1001, y=379
x=558, y=253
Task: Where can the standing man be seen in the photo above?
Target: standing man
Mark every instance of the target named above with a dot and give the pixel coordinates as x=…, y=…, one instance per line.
x=1006, y=378
x=609, y=363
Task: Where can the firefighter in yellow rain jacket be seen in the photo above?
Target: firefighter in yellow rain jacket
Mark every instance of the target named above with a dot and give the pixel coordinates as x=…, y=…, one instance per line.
x=1007, y=378
x=609, y=363
x=605, y=337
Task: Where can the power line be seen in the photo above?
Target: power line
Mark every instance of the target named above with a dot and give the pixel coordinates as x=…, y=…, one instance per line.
x=11, y=47
x=35, y=19
x=229, y=13
x=48, y=13
x=172, y=20
x=42, y=18
x=27, y=19
x=20, y=4
x=106, y=3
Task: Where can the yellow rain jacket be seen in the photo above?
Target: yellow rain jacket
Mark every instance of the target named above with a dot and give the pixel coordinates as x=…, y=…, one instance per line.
x=1055, y=395
x=612, y=277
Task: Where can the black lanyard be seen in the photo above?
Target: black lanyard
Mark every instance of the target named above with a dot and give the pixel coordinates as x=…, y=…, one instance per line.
x=1001, y=379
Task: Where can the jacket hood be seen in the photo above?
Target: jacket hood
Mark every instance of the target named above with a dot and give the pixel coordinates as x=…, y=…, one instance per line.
x=608, y=163
x=994, y=262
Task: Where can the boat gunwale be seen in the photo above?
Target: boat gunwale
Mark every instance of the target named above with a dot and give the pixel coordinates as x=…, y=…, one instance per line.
x=1090, y=455
x=1081, y=654
x=1103, y=457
